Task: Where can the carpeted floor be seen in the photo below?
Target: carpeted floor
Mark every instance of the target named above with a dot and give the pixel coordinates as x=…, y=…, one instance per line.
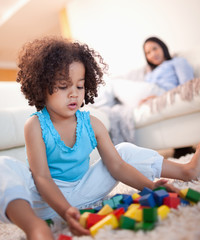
x=181, y=224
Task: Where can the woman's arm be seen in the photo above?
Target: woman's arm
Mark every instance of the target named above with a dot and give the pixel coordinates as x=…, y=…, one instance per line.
x=47, y=188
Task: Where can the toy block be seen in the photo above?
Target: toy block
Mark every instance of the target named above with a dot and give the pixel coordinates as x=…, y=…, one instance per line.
x=163, y=211
x=144, y=226
x=131, y=210
x=150, y=215
x=126, y=223
x=127, y=199
x=147, y=200
x=171, y=202
x=135, y=205
x=137, y=200
x=49, y=222
x=108, y=220
x=193, y=195
x=105, y=210
x=159, y=195
x=137, y=215
x=159, y=188
x=110, y=202
x=64, y=237
x=87, y=210
x=183, y=192
x=83, y=218
x=184, y=202
x=135, y=196
x=145, y=191
x=124, y=206
x=92, y=219
x=118, y=212
x=117, y=199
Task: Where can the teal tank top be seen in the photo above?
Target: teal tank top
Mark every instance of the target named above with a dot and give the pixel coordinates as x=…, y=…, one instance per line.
x=65, y=163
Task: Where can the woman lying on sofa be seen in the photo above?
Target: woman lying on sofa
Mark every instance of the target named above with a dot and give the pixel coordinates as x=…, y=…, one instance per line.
x=121, y=95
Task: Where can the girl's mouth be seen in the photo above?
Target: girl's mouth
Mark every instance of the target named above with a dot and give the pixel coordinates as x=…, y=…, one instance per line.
x=72, y=105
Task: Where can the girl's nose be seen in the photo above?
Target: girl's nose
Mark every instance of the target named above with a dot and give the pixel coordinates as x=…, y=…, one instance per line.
x=73, y=92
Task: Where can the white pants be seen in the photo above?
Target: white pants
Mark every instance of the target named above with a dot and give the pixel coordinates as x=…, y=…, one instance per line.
x=16, y=181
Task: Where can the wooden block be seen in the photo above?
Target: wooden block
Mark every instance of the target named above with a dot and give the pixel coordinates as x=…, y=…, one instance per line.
x=150, y=215
x=144, y=226
x=183, y=192
x=87, y=210
x=171, y=202
x=64, y=237
x=126, y=223
x=83, y=218
x=135, y=196
x=163, y=211
x=109, y=202
x=92, y=219
x=118, y=212
x=131, y=210
x=147, y=200
x=145, y=191
x=193, y=195
x=105, y=210
x=159, y=195
x=108, y=220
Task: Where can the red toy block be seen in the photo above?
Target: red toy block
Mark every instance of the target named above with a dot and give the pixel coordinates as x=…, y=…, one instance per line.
x=64, y=237
x=171, y=202
x=93, y=219
x=118, y=212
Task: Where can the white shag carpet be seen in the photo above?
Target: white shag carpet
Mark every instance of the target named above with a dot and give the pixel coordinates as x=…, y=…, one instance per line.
x=181, y=224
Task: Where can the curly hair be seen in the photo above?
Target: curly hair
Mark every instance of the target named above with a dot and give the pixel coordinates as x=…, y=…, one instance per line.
x=41, y=62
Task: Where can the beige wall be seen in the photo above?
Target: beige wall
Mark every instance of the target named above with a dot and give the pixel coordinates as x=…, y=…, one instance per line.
x=118, y=28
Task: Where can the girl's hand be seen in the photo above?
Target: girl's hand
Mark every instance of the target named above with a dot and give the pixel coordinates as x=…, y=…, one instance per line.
x=169, y=187
x=72, y=216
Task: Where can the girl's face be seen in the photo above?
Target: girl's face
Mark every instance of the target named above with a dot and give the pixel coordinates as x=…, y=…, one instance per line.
x=69, y=94
x=154, y=53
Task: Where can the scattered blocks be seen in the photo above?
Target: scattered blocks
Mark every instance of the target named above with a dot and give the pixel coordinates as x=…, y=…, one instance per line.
x=136, y=212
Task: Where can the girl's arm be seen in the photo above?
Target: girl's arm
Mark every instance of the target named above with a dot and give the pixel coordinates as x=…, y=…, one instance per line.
x=119, y=169
x=36, y=153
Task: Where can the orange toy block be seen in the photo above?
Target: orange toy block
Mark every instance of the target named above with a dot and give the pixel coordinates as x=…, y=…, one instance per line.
x=92, y=219
x=108, y=220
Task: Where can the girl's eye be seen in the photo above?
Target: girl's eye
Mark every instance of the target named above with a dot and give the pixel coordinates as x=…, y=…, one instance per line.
x=80, y=87
x=62, y=88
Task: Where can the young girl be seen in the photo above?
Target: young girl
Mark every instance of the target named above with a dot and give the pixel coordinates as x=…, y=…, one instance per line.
x=58, y=76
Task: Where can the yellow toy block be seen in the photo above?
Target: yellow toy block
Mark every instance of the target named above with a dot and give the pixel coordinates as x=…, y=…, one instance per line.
x=135, y=196
x=183, y=192
x=134, y=212
x=105, y=210
x=108, y=220
x=163, y=211
x=133, y=205
x=83, y=218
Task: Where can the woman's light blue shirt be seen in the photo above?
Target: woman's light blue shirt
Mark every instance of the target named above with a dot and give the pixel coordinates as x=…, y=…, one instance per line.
x=171, y=73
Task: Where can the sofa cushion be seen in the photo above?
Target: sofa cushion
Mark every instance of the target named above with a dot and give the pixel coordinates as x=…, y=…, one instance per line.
x=183, y=100
x=12, y=126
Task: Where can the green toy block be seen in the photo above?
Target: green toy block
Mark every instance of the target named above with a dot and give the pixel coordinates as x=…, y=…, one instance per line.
x=91, y=210
x=193, y=195
x=126, y=222
x=159, y=188
x=150, y=215
x=144, y=226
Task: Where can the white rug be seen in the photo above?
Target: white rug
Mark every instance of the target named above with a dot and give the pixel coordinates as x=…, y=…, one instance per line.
x=181, y=224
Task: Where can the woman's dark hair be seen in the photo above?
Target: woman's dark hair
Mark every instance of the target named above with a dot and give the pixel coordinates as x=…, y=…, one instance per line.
x=162, y=45
x=44, y=61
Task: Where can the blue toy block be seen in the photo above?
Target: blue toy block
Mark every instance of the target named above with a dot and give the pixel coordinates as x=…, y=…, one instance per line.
x=127, y=199
x=145, y=191
x=124, y=206
x=184, y=202
x=159, y=195
x=147, y=200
